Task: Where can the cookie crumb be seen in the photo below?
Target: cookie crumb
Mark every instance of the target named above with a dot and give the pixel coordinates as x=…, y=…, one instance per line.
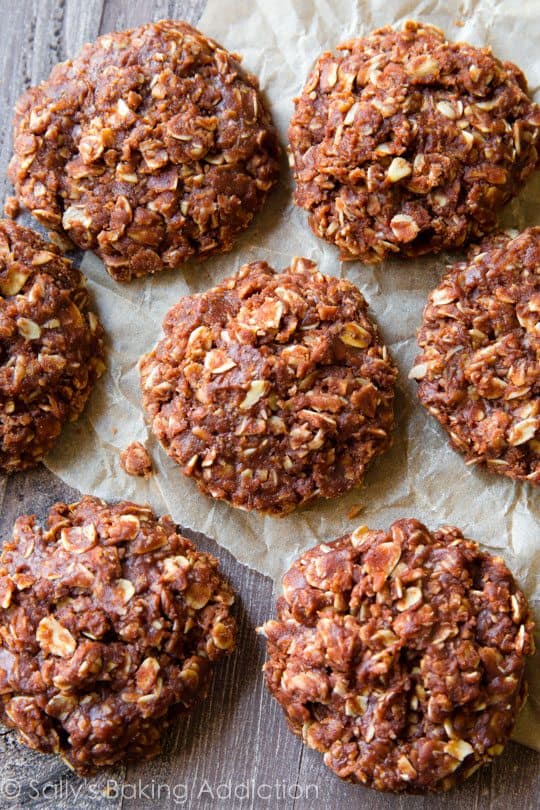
x=135, y=460
x=11, y=207
x=62, y=242
x=354, y=511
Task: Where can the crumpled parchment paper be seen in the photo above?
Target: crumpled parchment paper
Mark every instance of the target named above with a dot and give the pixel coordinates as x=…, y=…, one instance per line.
x=420, y=476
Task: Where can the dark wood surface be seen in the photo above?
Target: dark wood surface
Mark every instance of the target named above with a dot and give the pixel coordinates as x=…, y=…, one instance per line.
x=235, y=751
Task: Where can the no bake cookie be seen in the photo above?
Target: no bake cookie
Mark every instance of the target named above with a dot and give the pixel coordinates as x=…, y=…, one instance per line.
x=400, y=655
x=108, y=619
x=51, y=346
x=403, y=143
x=272, y=388
x=479, y=370
x=152, y=146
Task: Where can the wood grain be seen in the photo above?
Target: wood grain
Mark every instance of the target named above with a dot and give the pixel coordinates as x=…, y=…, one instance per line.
x=238, y=738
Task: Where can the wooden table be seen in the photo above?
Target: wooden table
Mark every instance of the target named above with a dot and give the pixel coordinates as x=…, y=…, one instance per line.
x=235, y=751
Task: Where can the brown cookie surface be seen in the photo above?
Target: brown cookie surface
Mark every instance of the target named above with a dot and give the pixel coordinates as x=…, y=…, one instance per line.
x=272, y=388
x=479, y=370
x=108, y=618
x=404, y=143
x=400, y=655
x=51, y=346
x=152, y=146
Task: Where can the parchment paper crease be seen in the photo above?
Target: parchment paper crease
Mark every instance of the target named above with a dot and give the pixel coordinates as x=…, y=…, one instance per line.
x=420, y=476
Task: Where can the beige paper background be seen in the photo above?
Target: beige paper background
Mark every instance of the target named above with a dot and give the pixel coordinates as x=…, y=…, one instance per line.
x=420, y=476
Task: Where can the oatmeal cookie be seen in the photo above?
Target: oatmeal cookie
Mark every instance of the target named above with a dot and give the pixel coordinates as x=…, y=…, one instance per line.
x=405, y=143
x=272, y=388
x=108, y=618
x=150, y=147
x=400, y=655
x=51, y=346
x=479, y=371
